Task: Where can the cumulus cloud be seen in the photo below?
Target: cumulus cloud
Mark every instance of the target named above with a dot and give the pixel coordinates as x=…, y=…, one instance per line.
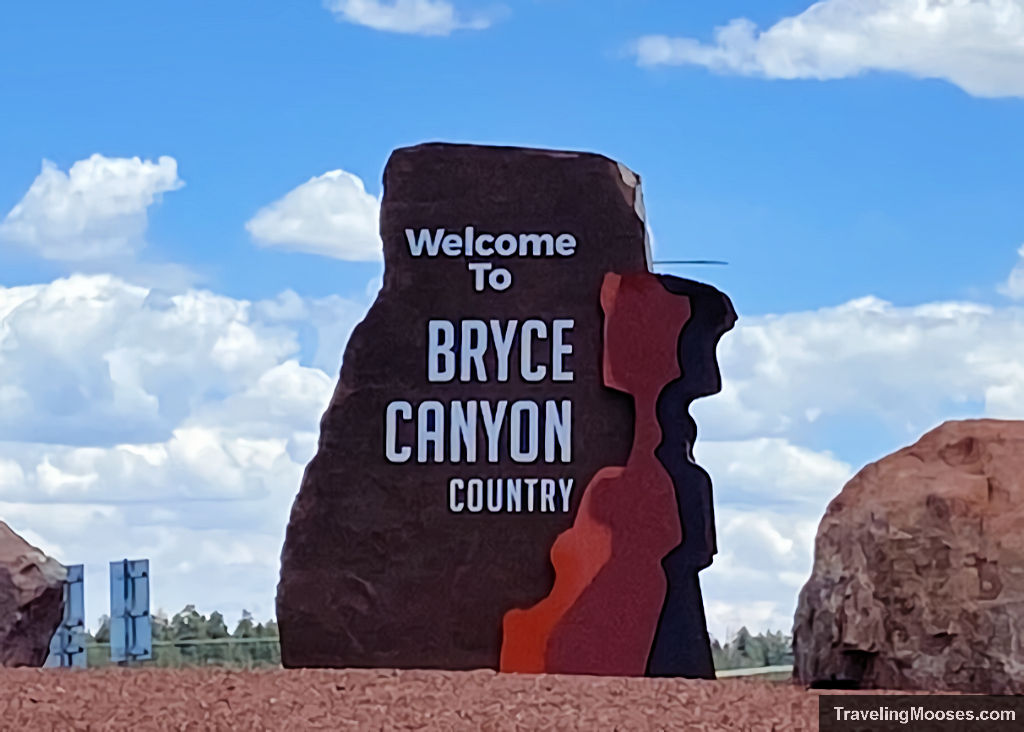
x=977, y=45
x=866, y=364
x=323, y=324
x=331, y=214
x=96, y=359
x=904, y=369
x=770, y=495
x=771, y=472
x=764, y=559
x=175, y=426
x=95, y=210
x=419, y=17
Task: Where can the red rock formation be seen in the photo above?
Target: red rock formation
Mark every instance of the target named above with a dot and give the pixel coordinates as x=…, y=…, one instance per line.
x=578, y=555
x=31, y=600
x=601, y=615
x=918, y=579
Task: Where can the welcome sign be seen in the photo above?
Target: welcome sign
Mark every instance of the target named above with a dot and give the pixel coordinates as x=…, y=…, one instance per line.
x=523, y=431
x=503, y=477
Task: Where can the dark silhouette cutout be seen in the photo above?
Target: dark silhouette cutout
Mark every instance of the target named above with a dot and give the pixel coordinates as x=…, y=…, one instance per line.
x=681, y=644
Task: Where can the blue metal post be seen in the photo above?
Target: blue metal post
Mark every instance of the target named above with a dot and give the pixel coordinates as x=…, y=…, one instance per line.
x=131, y=631
x=67, y=647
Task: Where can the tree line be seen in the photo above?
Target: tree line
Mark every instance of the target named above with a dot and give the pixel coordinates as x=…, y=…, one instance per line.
x=190, y=638
x=746, y=650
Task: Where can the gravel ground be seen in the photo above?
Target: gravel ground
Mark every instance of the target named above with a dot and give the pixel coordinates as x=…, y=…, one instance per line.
x=208, y=699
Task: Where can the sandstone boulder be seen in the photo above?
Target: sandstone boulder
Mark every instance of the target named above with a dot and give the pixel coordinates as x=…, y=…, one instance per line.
x=918, y=579
x=31, y=600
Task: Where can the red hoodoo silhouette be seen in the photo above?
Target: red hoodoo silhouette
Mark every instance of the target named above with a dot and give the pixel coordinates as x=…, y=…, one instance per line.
x=603, y=609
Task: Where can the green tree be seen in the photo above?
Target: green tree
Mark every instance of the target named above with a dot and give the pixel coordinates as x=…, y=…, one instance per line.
x=188, y=625
x=245, y=628
x=216, y=654
x=746, y=650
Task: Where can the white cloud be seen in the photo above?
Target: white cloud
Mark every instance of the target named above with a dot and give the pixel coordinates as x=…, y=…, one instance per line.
x=419, y=17
x=331, y=214
x=976, y=44
x=97, y=361
x=324, y=323
x=173, y=426
x=769, y=471
x=902, y=369
x=95, y=358
x=97, y=209
x=764, y=559
x=769, y=496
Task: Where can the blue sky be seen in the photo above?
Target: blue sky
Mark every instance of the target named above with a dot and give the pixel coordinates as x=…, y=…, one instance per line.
x=882, y=170
x=886, y=177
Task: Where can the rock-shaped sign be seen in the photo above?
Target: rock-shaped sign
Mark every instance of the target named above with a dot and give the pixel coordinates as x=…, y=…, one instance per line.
x=504, y=475
x=918, y=579
x=31, y=600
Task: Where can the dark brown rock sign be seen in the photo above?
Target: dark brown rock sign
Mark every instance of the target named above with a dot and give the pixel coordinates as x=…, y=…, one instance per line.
x=478, y=368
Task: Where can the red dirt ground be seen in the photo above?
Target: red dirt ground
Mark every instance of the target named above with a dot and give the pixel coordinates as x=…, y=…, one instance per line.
x=209, y=699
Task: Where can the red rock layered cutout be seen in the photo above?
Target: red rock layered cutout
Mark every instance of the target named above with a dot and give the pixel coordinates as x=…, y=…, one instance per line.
x=609, y=589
